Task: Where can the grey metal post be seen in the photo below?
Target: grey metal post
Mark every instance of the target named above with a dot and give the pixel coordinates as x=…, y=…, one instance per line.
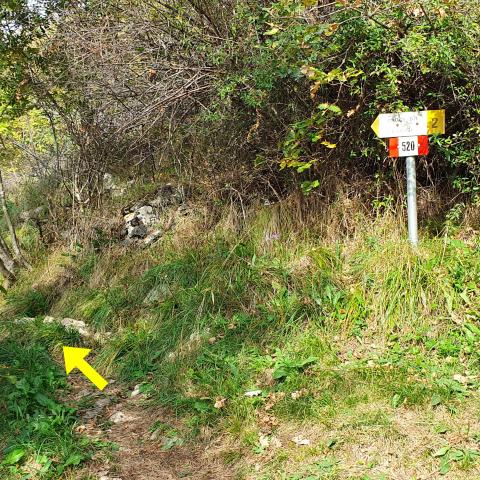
x=412, y=201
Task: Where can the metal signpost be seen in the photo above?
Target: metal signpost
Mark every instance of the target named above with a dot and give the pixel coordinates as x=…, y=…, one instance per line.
x=408, y=137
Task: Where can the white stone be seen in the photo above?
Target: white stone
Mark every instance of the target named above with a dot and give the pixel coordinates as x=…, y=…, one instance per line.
x=253, y=393
x=128, y=218
x=300, y=441
x=120, y=417
x=136, y=391
x=153, y=237
x=77, y=325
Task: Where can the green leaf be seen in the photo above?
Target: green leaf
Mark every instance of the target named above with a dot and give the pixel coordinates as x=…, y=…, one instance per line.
x=445, y=467
x=272, y=31
x=172, y=442
x=74, y=459
x=279, y=373
x=396, y=400
x=14, y=456
x=441, y=452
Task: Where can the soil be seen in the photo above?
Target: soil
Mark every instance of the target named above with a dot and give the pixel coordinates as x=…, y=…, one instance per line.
x=138, y=455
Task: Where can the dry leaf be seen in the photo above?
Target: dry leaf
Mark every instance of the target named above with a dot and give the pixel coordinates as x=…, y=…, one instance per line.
x=273, y=399
x=460, y=379
x=264, y=441
x=220, y=403
x=299, y=394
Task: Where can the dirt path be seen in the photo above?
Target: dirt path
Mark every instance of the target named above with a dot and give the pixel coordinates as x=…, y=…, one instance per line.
x=149, y=441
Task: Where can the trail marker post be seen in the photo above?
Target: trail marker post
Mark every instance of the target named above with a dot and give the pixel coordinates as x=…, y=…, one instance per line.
x=408, y=137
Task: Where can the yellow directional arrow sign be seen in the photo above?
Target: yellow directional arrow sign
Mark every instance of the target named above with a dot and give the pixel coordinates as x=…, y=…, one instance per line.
x=75, y=358
x=409, y=124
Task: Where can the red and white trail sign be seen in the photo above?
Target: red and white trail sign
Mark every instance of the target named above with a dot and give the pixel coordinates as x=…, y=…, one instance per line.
x=408, y=137
x=408, y=146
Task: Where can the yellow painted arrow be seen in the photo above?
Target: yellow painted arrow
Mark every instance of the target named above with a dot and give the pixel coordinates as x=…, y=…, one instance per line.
x=75, y=358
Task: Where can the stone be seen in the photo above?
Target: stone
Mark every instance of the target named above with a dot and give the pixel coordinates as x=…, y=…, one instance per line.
x=153, y=237
x=156, y=294
x=301, y=441
x=129, y=217
x=136, y=391
x=253, y=393
x=139, y=231
x=77, y=325
x=146, y=215
x=120, y=417
x=99, y=406
x=20, y=321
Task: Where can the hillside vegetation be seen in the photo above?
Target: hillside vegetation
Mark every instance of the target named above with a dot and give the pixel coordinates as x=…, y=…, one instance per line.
x=194, y=192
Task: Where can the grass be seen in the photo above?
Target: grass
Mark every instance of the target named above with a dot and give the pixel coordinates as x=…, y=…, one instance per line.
x=36, y=427
x=348, y=341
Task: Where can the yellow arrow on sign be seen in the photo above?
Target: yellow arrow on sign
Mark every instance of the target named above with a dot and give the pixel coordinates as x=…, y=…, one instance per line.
x=75, y=358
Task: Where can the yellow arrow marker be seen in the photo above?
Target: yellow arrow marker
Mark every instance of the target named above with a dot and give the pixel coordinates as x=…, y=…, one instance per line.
x=376, y=126
x=75, y=358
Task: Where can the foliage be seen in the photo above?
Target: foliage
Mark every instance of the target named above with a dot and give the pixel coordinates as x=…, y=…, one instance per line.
x=37, y=429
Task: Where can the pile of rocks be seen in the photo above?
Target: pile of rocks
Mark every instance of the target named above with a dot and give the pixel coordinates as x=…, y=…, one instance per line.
x=137, y=223
x=143, y=219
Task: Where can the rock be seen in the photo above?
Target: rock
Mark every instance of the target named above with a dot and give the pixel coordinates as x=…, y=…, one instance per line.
x=141, y=217
x=97, y=409
x=120, y=417
x=264, y=441
x=253, y=393
x=146, y=215
x=153, y=237
x=300, y=441
x=156, y=294
x=128, y=218
x=22, y=321
x=460, y=379
x=136, y=391
x=77, y=325
x=139, y=231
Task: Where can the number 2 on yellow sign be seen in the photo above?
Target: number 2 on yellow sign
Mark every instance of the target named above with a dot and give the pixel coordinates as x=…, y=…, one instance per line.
x=436, y=122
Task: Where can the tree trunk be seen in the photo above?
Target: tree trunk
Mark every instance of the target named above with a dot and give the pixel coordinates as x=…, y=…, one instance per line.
x=10, y=262
x=8, y=276
x=16, y=247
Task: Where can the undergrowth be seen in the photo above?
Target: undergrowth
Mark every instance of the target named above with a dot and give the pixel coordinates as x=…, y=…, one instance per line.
x=36, y=426
x=256, y=334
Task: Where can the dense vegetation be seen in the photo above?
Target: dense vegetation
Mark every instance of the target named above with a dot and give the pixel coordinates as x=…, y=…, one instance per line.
x=290, y=279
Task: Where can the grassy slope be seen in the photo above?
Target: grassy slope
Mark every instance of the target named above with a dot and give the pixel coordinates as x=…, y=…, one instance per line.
x=360, y=346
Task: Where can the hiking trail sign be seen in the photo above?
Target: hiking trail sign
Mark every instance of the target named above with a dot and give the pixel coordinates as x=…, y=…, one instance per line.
x=409, y=124
x=408, y=137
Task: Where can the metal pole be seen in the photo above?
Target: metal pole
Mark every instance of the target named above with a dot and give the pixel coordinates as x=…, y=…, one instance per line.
x=412, y=201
